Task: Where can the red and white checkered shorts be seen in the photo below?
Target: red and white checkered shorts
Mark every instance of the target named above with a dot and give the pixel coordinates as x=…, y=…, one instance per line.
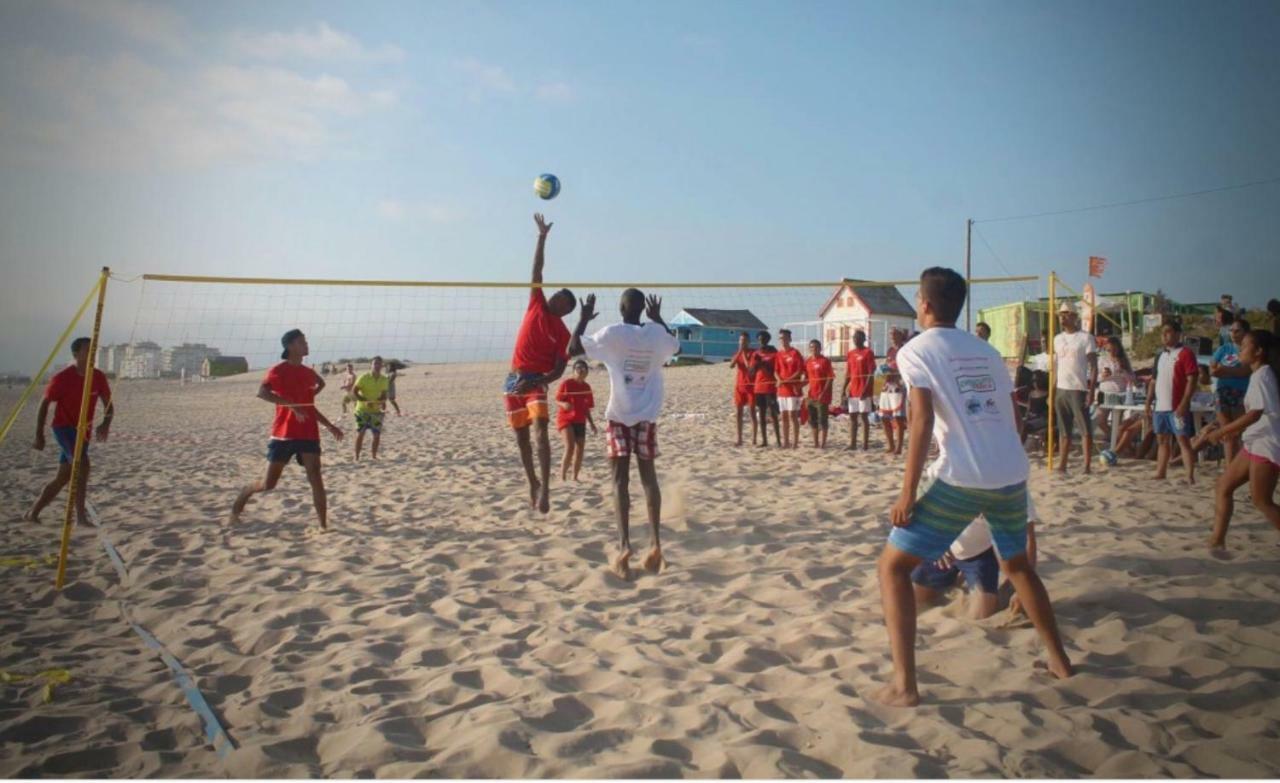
x=640, y=439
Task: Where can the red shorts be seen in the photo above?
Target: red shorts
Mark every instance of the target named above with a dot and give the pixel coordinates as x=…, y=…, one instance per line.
x=522, y=409
x=640, y=440
x=743, y=397
x=1258, y=458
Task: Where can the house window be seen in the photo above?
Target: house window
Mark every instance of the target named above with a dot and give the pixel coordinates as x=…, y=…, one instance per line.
x=685, y=334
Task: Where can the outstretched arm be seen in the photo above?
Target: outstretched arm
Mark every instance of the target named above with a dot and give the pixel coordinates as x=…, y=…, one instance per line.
x=653, y=309
x=585, y=314
x=539, y=253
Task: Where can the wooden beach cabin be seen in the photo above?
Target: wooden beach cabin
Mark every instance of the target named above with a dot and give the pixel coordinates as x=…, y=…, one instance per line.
x=713, y=334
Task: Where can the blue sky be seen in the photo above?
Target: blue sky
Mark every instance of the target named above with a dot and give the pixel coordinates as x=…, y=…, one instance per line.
x=696, y=141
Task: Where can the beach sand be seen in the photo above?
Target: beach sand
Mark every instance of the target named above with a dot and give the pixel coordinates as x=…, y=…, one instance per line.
x=442, y=628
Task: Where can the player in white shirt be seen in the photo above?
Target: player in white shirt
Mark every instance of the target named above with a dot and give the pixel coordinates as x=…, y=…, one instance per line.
x=1258, y=461
x=633, y=353
x=961, y=392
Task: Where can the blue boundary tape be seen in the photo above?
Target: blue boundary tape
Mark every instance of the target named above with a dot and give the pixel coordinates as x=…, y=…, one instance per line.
x=213, y=731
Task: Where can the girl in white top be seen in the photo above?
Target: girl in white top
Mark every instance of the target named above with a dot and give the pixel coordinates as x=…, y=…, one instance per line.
x=1258, y=462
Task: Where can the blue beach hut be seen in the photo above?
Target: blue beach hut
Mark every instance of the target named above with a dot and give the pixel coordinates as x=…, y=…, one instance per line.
x=713, y=334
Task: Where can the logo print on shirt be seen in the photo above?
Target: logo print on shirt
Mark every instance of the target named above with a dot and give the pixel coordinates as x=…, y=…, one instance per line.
x=976, y=383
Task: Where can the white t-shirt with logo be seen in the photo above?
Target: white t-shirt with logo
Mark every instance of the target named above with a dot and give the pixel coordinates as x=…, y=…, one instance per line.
x=634, y=356
x=978, y=445
x=1072, y=352
x=1262, y=438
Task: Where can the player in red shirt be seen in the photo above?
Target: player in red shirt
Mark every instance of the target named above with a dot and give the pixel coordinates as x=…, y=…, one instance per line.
x=574, y=401
x=821, y=377
x=764, y=388
x=295, y=432
x=538, y=360
x=743, y=397
x=789, y=367
x=859, y=384
x=66, y=391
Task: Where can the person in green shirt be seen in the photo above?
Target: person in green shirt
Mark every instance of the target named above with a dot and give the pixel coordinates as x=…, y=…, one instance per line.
x=370, y=391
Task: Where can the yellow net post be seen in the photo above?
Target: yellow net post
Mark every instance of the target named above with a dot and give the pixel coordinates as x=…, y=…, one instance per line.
x=35, y=380
x=82, y=432
x=1053, y=378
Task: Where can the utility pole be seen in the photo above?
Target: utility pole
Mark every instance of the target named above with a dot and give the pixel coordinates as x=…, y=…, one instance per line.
x=968, y=274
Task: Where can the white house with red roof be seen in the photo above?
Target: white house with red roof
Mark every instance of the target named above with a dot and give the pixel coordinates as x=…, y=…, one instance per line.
x=858, y=304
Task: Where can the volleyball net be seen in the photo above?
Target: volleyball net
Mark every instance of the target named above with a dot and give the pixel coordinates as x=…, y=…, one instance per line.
x=159, y=334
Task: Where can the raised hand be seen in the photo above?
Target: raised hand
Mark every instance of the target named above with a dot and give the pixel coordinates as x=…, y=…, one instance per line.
x=588, y=311
x=653, y=308
x=543, y=225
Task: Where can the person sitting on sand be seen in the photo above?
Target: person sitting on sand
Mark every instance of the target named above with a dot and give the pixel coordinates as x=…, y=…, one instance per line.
x=764, y=388
x=821, y=375
x=973, y=557
x=960, y=392
x=348, y=380
x=66, y=391
x=743, y=396
x=574, y=402
x=1257, y=463
x=370, y=390
x=538, y=360
x=633, y=353
x=859, y=384
x=295, y=432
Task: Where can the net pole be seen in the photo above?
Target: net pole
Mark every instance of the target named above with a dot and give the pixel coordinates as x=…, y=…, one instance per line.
x=35, y=381
x=968, y=274
x=1053, y=378
x=82, y=433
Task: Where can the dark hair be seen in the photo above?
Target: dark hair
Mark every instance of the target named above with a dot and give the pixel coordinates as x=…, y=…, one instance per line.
x=286, y=339
x=945, y=291
x=1273, y=306
x=816, y=342
x=859, y=338
x=763, y=335
x=1243, y=323
x=981, y=324
x=376, y=359
x=581, y=363
x=1265, y=341
x=1173, y=323
x=787, y=332
x=573, y=300
x=1123, y=357
x=78, y=343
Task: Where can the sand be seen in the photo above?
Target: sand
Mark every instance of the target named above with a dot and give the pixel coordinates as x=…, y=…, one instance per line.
x=441, y=628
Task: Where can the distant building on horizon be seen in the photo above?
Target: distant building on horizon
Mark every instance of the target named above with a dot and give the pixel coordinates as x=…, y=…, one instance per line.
x=859, y=304
x=188, y=358
x=141, y=360
x=713, y=334
x=109, y=359
x=222, y=366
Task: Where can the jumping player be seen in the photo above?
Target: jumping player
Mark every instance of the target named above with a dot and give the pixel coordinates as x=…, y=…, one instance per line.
x=743, y=397
x=574, y=402
x=820, y=373
x=371, y=391
x=537, y=361
x=789, y=367
x=961, y=392
x=295, y=433
x=66, y=391
x=859, y=383
x=633, y=353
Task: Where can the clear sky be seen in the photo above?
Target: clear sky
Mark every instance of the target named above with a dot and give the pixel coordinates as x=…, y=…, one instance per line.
x=708, y=140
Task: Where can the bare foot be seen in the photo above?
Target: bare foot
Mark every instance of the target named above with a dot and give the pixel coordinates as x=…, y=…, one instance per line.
x=31, y=516
x=1217, y=544
x=621, y=565
x=534, y=489
x=544, y=501
x=654, y=562
x=890, y=696
x=1061, y=670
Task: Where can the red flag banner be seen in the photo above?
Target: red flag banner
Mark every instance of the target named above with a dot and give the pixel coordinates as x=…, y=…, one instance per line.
x=1097, y=265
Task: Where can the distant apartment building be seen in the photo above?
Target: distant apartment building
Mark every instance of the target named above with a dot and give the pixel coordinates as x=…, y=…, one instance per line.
x=141, y=360
x=187, y=358
x=109, y=359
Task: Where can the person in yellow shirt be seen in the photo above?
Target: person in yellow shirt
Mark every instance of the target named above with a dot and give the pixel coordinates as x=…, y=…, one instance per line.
x=370, y=391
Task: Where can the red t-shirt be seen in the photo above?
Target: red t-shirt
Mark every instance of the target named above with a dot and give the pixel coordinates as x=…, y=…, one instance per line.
x=742, y=382
x=66, y=391
x=765, y=382
x=297, y=384
x=542, y=340
x=578, y=394
x=819, y=371
x=862, y=371
x=790, y=364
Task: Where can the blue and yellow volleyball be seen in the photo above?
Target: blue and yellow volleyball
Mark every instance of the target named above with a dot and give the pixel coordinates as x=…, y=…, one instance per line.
x=547, y=186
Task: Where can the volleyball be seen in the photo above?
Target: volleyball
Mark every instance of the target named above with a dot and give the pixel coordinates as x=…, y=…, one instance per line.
x=1109, y=457
x=547, y=186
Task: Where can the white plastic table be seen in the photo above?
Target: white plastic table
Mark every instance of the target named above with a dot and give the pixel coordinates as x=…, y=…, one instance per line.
x=1201, y=412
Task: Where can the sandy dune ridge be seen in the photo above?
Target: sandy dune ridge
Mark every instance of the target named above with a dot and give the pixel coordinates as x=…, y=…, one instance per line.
x=442, y=628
